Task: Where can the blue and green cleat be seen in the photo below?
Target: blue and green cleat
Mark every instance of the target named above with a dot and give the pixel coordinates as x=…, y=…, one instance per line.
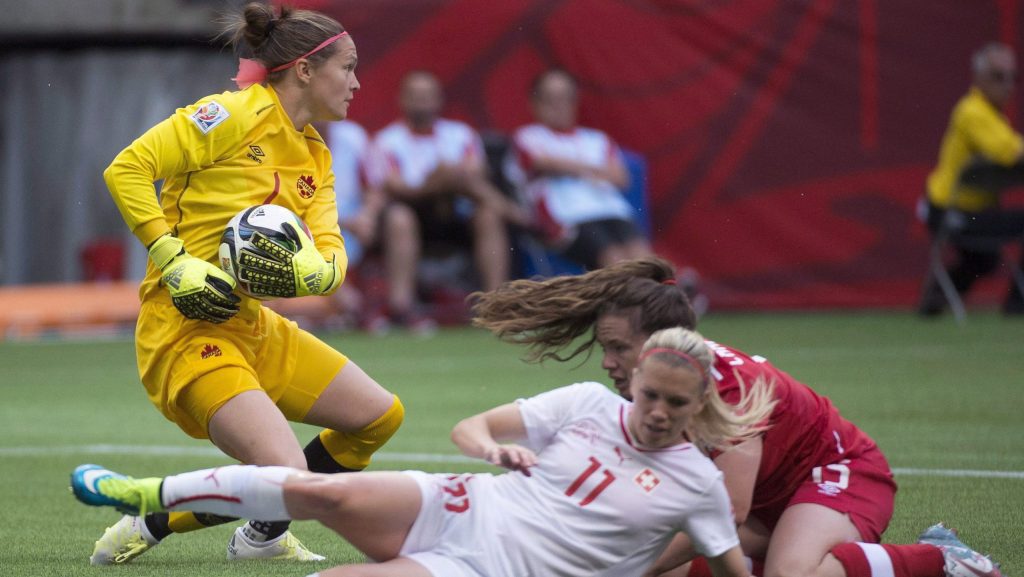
x=961, y=560
x=100, y=487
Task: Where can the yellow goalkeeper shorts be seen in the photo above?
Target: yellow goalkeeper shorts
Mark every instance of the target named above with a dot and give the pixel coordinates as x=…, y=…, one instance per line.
x=191, y=368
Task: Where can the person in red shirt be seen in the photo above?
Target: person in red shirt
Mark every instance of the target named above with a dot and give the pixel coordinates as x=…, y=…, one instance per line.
x=811, y=496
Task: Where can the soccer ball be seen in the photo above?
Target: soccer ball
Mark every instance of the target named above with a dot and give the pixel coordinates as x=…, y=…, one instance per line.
x=267, y=219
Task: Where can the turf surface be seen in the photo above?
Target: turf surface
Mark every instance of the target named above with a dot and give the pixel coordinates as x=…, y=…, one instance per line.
x=935, y=396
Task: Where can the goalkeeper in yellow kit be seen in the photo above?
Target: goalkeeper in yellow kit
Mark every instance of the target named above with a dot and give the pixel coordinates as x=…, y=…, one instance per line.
x=220, y=365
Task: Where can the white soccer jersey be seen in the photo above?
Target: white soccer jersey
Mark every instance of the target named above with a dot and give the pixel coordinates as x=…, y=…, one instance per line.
x=596, y=504
x=568, y=200
x=414, y=156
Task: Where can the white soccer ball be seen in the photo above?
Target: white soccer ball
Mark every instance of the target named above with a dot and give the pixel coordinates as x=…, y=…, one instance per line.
x=267, y=219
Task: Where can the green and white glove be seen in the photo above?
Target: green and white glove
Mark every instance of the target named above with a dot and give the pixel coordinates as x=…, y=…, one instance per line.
x=199, y=290
x=273, y=270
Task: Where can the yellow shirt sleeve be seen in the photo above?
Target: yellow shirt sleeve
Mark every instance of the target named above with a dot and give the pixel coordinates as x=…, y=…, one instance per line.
x=322, y=216
x=990, y=135
x=175, y=146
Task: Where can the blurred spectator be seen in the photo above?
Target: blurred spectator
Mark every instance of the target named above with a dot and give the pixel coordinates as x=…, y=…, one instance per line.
x=359, y=210
x=981, y=154
x=573, y=177
x=433, y=172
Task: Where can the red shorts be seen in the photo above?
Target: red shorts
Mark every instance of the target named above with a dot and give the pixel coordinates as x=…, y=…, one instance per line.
x=860, y=486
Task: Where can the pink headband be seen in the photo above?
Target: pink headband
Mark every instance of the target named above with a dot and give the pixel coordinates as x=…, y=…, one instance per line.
x=688, y=358
x=254, y=72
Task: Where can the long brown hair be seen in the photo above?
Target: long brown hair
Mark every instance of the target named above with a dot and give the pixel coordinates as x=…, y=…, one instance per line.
x=549, y=315
x=276, y=39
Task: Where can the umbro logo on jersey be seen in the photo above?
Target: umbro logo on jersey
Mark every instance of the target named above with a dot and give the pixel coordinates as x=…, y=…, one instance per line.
x=255, y=154
x=305, y=186
x=829, y=489
x=647, y=480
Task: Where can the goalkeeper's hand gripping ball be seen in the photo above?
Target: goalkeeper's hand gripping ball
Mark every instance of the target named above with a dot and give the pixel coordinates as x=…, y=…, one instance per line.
x=270, y=252
x=199, y=290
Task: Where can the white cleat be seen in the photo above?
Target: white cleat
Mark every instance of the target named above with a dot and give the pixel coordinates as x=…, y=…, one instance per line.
x=285, y=547
x=122, y=542
x=961, y=560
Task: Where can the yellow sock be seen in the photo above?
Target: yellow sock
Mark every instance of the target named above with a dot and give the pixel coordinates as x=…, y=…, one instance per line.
x=353, y=450
x=187, y=521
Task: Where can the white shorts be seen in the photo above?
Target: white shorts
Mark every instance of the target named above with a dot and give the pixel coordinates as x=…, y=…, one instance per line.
x=447, y=536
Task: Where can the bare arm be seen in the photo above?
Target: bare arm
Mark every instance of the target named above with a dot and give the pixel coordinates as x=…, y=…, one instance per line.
x=678, y=553
x=481, y=436
x=394, y=186
x=729, y=564
x=364, y=223
x=614, y=171
x=739, y=465
x=445, y=179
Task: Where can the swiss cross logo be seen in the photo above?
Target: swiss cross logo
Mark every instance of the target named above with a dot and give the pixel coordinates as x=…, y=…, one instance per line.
x=210, y=351
x=305, y=186
x=647, y=480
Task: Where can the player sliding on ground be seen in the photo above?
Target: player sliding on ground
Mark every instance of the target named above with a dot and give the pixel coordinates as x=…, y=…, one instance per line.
x=599, y=484
x=812, y=495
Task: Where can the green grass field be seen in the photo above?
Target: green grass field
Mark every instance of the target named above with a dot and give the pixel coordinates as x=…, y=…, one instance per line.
x=938, y=399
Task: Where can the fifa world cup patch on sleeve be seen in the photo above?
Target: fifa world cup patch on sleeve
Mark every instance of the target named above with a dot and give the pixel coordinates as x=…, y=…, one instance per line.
x=209, y=116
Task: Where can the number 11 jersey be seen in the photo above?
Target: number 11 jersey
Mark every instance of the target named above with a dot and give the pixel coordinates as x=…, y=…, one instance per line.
x=596, y=503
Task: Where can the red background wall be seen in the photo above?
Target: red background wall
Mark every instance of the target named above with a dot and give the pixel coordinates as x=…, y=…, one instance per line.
x=787, y=141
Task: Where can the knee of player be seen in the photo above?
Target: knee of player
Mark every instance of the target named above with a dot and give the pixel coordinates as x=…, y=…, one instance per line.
x=336, y=495
x=319, y=496
x=385, y=426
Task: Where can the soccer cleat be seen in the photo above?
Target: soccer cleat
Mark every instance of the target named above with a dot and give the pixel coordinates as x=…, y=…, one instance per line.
x=122, y=542
x=285, y=547
x=961, y=560
x=99, y=487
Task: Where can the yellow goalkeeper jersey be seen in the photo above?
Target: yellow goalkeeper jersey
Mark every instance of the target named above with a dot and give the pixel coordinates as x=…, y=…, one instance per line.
x=216, y=157
x=977, y=130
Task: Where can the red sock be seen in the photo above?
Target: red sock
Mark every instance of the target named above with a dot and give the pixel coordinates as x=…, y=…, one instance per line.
x=873, y=560
x=699, y=567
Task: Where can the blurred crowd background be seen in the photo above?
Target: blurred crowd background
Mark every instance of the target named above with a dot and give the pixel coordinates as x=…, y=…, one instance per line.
x=778, y=147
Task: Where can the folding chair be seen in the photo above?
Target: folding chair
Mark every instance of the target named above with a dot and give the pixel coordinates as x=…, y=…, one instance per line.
x=951, y=233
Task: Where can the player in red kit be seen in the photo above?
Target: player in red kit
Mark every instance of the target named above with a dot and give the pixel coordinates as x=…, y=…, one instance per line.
x=811, y=495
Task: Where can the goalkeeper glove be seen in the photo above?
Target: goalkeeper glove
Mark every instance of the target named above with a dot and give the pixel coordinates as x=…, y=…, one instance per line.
x=273, y=270
x=199, y=290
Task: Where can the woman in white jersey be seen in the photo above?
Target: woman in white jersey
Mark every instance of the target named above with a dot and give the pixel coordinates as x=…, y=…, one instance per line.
x=599, y=484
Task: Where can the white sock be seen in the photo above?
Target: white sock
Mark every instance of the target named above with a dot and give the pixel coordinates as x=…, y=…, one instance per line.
x=236, y=490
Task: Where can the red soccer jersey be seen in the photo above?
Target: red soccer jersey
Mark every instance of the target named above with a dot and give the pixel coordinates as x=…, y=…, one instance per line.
x=806, y=430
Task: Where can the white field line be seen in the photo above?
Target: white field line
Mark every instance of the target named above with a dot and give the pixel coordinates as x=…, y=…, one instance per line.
x=390, y=457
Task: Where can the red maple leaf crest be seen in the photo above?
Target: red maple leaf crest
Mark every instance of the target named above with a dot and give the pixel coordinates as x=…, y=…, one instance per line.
x=305, y=186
